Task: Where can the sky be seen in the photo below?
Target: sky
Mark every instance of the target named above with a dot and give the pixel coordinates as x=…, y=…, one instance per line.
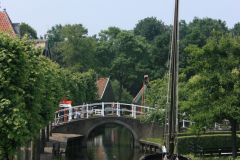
x=97, y=15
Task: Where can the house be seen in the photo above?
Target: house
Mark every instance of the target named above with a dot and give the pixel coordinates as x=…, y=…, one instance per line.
x=6, y=24
x=105, y=90
x=14, y=28
x=138, y=99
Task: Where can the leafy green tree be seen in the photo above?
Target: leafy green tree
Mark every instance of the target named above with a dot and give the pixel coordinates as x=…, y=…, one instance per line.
x=31, y=88
x=77, y=49
x=206, y=25
x=27, y=29
x=54, y=37
x=149, y=28
x=159, y=55
x=126, y=96
x=236, y=29
x=157, y=94
x=28, y=87
x=122, y=55
x=214, y=90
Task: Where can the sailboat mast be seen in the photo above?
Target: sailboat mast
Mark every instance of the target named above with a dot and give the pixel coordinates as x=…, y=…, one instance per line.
x=174, y=77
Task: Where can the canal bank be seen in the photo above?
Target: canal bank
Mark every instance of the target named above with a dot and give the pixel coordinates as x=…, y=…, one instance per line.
x=59, y=138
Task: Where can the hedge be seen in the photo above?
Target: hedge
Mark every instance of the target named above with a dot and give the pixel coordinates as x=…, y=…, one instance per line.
x=208, y=141
x=209, y=132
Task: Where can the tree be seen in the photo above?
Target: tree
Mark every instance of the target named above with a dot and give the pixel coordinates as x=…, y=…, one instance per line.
x=77, y=49
x=157, y=94
x=28, y=86
x=159, y=56
x=126, y=96
x=236, y=29
x=149, y=28
x=27, y=29
x=206, y=25
x=214, y=90
x=121, y=55
x=54, y=37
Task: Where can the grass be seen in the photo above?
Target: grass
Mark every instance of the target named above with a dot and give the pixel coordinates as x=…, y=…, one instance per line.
x=154, y=140
x=210, y=158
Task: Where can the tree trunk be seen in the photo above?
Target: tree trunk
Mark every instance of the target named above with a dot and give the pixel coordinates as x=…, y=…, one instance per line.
x=47, y=133
x=234, y=144
x=120, y=90
x=26, y=151
x=33, y=149
x=37, y=148
x=50, y=129
x=5, y=156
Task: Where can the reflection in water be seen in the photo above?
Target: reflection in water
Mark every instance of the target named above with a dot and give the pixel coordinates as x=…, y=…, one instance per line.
x=112, y=142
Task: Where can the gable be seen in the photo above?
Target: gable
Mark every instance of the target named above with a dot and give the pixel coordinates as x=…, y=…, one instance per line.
x=101, y=85
x=6, y=24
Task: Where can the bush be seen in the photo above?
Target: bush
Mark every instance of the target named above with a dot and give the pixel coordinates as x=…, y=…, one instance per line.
x=207, y=141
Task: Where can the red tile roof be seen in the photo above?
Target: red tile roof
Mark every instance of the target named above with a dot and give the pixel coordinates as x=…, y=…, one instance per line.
x=5, y=23
x=139, y=95
x=101, y=84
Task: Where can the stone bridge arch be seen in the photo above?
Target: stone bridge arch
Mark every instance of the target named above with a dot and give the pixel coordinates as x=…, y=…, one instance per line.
x=135, y=136
x=85, y=126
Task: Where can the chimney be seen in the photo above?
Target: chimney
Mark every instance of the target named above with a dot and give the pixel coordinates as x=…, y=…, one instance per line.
x=4, y=10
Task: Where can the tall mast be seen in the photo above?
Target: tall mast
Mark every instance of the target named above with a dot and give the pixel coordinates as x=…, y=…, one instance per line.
x=175, y=36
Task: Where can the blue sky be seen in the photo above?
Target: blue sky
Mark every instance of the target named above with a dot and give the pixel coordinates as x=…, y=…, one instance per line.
x=97, y=15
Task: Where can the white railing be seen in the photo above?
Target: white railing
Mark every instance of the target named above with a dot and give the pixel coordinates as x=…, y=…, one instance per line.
x=105, y=107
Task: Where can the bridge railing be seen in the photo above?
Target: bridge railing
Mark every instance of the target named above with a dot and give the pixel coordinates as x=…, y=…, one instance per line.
x=104, y=107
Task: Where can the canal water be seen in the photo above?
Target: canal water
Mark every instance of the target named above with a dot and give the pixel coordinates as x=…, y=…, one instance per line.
x=112, y=142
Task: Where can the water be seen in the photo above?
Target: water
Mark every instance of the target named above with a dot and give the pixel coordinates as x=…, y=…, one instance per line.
x=112, y=142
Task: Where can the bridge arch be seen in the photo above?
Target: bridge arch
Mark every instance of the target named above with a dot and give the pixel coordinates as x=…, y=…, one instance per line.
x=135, y=136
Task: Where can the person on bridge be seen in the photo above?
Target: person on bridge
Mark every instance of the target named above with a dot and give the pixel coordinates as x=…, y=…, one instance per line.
x=79, y=114
x=113, y=106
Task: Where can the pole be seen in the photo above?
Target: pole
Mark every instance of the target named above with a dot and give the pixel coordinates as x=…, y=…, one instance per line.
x=174, y=78
x=55, y=120
x=103, y=109
x=132, y=110
x=87, y=110
x=142, y=96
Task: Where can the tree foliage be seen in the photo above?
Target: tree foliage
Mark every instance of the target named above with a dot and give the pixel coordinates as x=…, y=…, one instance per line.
x=77, y=49
x=149, y=28
x=31, y=88
x=121, y=55
x=214, y=90
x=126, y=96
x=27, y=29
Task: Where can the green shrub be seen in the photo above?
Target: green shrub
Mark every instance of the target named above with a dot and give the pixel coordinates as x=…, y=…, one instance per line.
x=207, y=133
x=207, y=141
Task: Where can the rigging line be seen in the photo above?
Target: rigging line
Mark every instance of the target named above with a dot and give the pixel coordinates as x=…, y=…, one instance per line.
x=169, y=68
x=173, y=14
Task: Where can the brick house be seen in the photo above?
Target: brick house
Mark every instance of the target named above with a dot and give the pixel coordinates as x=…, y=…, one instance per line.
x=13, y=29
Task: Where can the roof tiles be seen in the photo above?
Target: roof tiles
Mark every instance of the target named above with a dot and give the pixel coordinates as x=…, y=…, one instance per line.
x=101, y=83
x=5, y=23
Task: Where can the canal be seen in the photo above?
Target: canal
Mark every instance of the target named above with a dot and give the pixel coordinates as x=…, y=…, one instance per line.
x=112, y=142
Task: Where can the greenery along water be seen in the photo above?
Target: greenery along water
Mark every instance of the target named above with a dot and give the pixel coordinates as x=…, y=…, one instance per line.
x=112, y=142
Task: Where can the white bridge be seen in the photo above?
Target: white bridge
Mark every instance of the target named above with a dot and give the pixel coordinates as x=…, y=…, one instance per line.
x=104, y=108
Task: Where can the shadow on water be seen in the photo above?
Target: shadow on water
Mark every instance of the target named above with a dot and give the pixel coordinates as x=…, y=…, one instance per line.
x=107, y=142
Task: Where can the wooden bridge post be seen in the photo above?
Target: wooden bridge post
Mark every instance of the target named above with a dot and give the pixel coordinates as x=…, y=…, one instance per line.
x=103, y=109
x=70, y=114
x=117, y=109
x=55, y=120
x=87, y=110
x=132, y=110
